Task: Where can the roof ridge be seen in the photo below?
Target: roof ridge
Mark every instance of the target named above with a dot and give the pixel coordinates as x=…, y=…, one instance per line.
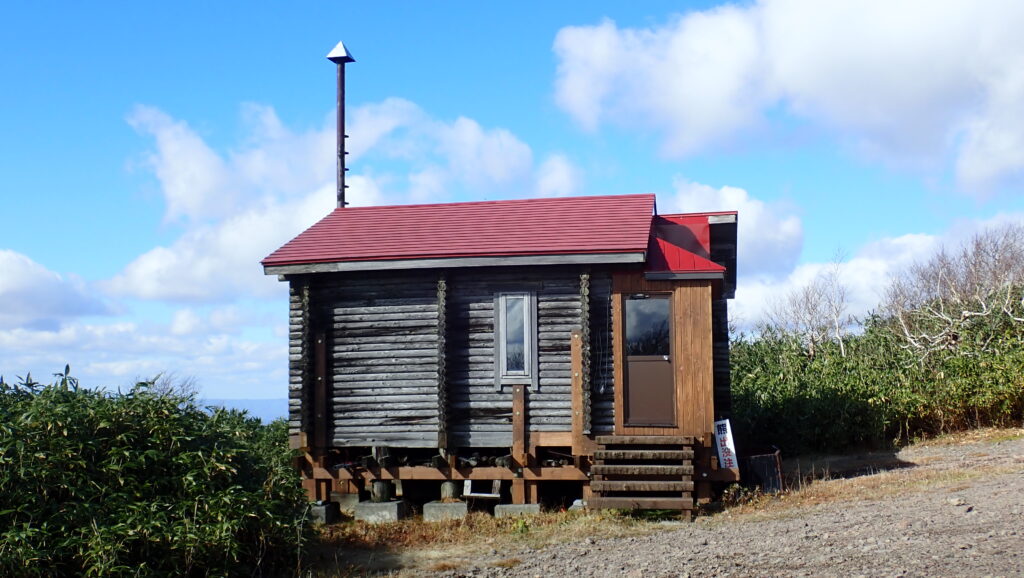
x=496, y=201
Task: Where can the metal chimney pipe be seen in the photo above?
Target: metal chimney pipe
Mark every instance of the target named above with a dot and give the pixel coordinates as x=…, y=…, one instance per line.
x=341, y=56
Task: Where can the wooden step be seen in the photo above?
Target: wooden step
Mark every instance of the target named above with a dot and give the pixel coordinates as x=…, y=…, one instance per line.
x=682, y=503
x=645, y=440
x=640, y=486
x=643, y=455
x=631, y=470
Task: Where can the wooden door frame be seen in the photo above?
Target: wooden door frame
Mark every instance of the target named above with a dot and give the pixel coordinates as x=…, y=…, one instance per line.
x=691, y=352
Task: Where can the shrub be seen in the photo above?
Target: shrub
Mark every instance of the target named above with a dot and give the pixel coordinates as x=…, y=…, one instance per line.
x=143, y=482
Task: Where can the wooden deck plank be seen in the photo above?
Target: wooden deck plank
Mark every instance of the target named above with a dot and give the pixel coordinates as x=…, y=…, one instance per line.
x=646, y=440
x=681, y=503
x=640, y=470
x=643, y=455
x=640, y=486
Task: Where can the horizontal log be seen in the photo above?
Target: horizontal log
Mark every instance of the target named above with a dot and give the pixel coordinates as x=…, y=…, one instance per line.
x=338, y=308
x=646, y=440
x=600, y=502
x=567, y=473
x=643, y=455
x=384, y=324
x=640, y=486
x=340, y=315
x=389, y=376
x=391, y=352
x=381, y=341
x=630, y=470
x=383, y=411
x=399, y=363
x=360, y=427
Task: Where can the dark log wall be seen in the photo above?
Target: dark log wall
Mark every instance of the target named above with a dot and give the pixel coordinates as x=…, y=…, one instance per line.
x=480, y=414
x=720, y=344
x=297, y=362
x=383, y=332
x=602, y=376
x=411, y=355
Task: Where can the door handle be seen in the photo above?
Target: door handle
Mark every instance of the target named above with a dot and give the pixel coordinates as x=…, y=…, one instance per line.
x=666, y=357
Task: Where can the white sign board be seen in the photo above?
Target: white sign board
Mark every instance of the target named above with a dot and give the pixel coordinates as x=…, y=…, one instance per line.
x=726, y=448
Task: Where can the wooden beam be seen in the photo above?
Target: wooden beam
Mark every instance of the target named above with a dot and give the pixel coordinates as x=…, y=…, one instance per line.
x=576, y=354
x=518, y=491
x=554, y=474
x=550, y=438
x=298, y=441
x=618, y=360
x=321, y=396
x=683, y=503
x=641, y=486
x=519, y=432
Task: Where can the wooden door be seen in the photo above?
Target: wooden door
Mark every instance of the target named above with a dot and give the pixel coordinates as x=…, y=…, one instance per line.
x=650, y=384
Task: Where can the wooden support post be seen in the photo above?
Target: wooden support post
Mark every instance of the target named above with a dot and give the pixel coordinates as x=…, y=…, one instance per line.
x=519, y=442
x=321, y=397
x=519, y=425
x=309, y=484
x=518, y=491
x=702, y=469
x=576, y=358
x=532, y=492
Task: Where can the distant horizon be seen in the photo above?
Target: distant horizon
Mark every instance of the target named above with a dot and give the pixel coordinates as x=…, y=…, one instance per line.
x=266, y=409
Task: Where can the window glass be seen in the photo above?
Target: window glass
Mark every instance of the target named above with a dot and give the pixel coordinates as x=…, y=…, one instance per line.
x=647, y=325
x=515, y=334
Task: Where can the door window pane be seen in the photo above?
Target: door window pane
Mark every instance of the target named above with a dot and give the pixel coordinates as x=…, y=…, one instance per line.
x=647, y=324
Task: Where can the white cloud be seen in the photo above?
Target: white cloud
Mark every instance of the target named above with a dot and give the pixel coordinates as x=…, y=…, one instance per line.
x=184, y=322
x=769, y=235
x=482, y=157
x=194, y=179
x=240, y=205
x=116, y=354
x=32, y=295
x=866, y=274
x=557, y=176
x=909, y=82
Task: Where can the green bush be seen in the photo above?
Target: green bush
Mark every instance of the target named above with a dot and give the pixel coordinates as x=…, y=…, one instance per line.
x=878, y=393
x=141, y=483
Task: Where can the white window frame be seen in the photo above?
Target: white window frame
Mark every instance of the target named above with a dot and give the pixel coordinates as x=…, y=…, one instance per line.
x=529, y=375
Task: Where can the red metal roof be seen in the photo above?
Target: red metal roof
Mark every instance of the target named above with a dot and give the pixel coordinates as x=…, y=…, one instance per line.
x=554, y=226
x=663, y=256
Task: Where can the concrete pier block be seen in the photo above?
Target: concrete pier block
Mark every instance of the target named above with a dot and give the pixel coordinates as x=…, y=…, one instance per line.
x=325, y=512
x=506, y=510
x=380, y=512
x=346, y=502
x=438, y=511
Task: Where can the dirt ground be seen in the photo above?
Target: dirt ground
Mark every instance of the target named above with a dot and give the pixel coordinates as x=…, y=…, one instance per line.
x=947, y=509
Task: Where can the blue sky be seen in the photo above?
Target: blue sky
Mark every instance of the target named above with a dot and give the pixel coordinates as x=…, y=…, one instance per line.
x=150, y=155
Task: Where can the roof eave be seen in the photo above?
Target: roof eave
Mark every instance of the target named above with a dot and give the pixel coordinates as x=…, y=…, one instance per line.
x=683, y=275
x=456, y=262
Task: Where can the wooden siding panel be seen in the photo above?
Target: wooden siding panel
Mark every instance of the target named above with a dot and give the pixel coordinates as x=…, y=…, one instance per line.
x=722, y=369
x=691, y=350
x=296, y=369
x=384, y=358
x=480, y=415
x=602, y=378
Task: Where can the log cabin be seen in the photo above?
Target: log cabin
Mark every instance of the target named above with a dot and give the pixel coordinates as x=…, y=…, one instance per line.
x=576, y=342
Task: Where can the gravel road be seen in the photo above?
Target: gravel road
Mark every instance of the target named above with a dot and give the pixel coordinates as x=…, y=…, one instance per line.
x=955, y=510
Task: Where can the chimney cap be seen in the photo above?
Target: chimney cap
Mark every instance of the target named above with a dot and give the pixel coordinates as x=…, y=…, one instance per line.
x=340, y=54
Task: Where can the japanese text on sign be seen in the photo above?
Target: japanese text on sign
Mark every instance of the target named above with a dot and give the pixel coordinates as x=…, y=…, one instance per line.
x=724, y=445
